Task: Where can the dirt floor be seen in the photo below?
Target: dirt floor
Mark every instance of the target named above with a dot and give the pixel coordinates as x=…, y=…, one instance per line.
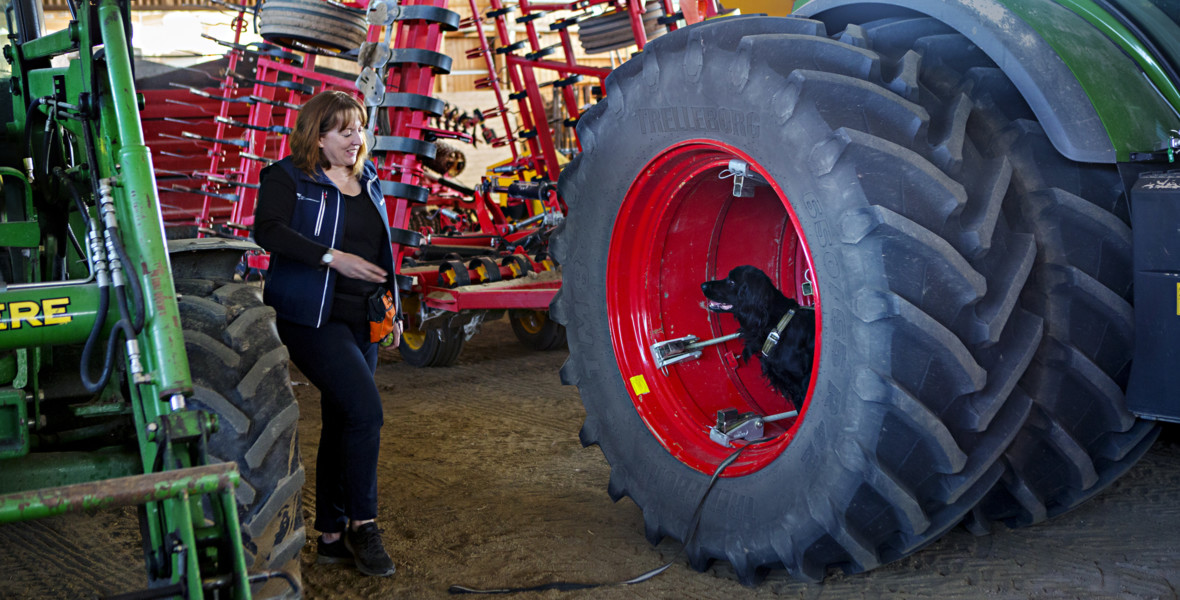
x=484, y=483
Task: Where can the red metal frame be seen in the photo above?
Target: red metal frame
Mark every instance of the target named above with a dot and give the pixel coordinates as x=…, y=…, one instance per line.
x=704, y=231
x=538, y=152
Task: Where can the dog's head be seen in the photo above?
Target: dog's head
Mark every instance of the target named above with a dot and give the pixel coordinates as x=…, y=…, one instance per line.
x=745, y=286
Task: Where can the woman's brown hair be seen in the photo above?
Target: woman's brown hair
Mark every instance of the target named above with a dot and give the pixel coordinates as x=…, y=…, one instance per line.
x=325, y=112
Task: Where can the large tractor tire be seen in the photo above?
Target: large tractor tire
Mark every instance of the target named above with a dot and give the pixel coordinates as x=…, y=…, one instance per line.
x=887, y=206
x=240, y=373
x=1080, y=436
x=314, y=23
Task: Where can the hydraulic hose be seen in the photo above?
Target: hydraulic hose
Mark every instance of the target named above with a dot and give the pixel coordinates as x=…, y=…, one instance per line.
x=108, y=365
x=104, y=303
x=28, y=147
x=140, y=312
x=69, y=183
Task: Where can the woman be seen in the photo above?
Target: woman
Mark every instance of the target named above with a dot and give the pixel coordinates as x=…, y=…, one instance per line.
x=321, y=215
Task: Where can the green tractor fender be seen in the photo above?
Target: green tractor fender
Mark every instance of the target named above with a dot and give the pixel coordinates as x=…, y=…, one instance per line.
x=1099, y=90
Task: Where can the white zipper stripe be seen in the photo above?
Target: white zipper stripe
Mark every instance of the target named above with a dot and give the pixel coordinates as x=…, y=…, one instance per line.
x=319, y=219
x=332, y=244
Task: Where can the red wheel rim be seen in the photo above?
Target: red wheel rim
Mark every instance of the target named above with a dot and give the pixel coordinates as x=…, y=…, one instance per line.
x=660, y=253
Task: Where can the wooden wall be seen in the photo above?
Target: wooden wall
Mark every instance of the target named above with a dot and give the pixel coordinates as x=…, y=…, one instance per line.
x=150, y=14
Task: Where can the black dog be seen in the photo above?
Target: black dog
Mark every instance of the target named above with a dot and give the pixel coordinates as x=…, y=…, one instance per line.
x=751, y=297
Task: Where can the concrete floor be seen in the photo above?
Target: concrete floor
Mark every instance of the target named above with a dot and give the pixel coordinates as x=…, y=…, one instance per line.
x=484, y=483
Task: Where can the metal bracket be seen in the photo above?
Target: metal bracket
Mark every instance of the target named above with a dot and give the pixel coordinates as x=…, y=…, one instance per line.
x=744, y=179
x=383, y=12
x=732, y=425
x=670, y=352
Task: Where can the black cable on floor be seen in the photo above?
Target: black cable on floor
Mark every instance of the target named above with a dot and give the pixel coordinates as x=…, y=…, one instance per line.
x=569, y=586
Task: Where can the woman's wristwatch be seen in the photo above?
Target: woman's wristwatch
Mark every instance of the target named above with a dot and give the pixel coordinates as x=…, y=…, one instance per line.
x=327, y=258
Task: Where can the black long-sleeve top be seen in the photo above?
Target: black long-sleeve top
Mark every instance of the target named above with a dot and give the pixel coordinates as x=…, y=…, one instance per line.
x=362, y=236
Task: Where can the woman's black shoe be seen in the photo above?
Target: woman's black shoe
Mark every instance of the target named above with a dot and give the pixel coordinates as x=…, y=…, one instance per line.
x=366, y=545
x=332, y=552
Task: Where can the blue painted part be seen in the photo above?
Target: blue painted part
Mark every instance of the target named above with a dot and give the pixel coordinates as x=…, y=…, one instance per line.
x=1155, y=370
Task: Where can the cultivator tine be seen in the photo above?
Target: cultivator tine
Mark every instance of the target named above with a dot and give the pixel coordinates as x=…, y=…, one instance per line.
x=177, y=154
x=204, y=94
x=181, y=121
x=263, y=49
x=189, y=104
x=170, y=173
x=278, y=103
x=257, y=158
x=225, y=180
x=269, y=128
x=205, y=138
x=295, y=86
x=187, y=190
x=200, y=72
x=447, y=134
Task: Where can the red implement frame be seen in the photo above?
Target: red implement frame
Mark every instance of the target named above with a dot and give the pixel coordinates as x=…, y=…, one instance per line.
x=230, y=176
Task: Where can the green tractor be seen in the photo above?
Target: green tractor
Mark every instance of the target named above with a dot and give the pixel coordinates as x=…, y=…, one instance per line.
x=133, y=370
x=975, y=198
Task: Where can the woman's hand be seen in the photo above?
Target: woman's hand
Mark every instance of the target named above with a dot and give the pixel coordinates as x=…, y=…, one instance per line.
x=351, y=265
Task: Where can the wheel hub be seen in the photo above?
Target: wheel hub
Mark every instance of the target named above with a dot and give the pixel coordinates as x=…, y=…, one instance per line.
x=660, y=253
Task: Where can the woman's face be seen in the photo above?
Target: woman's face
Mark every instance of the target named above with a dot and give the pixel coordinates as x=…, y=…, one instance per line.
x=341, y=145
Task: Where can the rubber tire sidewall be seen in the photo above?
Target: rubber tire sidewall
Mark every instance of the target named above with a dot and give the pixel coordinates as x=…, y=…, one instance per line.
x=312, y=22
x=440, y=348
x=549, y=336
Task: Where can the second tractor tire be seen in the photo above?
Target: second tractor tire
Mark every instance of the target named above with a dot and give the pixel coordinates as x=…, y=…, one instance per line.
x=941, y=293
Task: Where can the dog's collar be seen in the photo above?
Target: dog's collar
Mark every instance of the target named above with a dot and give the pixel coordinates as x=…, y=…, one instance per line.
x=773, y=336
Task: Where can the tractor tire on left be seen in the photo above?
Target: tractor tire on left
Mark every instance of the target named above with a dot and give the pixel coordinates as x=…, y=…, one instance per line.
x=240, y=373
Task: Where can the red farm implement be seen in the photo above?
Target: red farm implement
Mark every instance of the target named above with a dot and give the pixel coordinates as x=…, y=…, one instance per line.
x=468, y=254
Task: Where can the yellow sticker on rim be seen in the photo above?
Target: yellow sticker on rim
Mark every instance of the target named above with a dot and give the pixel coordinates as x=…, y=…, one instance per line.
x=639, y=385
